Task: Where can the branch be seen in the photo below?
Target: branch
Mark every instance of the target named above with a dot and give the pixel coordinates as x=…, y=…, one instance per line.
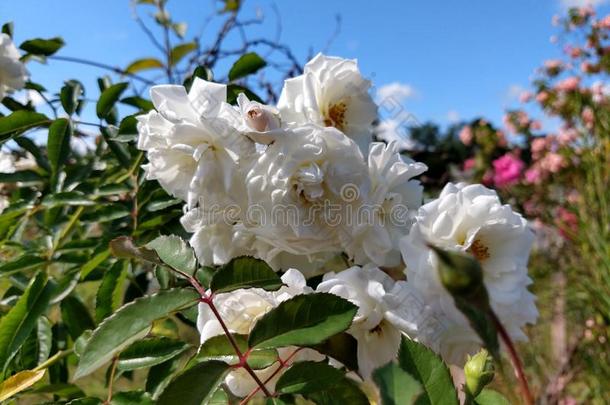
x=102, y=66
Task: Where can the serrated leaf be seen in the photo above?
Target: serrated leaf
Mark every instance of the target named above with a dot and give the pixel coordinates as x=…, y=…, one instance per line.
x=174, y=252
x=44, y=47
x=220, y=348
x=23, y=263
x=180, y=51
x=396, y=385
x=69, y=95
x=245, y=272
x=128, y=324
x=429, y=370
x=144, y=64
x=344, y=392
x=19, y=382
x=308, y=376
x=195, y=385
x=247, y=64
x=303, y=320
x=150, y=352
x=19, y=322
x=108, y=297
x=491, y=397
x=58, y=145
x=108, y=99
x=19, y=122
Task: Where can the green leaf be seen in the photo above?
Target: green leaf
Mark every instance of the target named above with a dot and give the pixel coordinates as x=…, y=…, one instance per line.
x=246, y=65
x=344, y=392
x=491, y=397
x=342, y=347
x=150, y=352
x=19, y=322
x=30, y=146
x=108, y=99
x=429, y=370
x=63, y=390
x=180, y=29
x=160, y=376
x=180, y=51
x=93, y=263
x=19, y=382
x=174, y=252
x=245, y=272
x=138, y=102
x=202, y=72
x=132, y=398
x=75, y=316
x=66, y=198
x=28, y=177
x=19, y=122
x=107, y=213
x=21, y=264
x=129, y=324
x=58, y=145
x=124, y=248
x=144, y=64
x=109, y=293
x=396, y=385
x=8, y=28
x=44, y=47
x=44, y=335
x=195, y=385
x=303, y=320
x=220, y=348
x=308, y=376
x=234, y=90
x=69, y=95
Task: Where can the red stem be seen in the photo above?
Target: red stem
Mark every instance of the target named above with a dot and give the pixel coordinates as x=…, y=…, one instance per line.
x=515, y=360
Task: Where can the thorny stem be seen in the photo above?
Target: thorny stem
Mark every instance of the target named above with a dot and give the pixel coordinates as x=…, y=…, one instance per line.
x=515, y=360
x=282, y=365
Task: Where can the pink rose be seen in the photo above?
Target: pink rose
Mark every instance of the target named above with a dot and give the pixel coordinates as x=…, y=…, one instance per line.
x=604, y=23
x=469, y=164
x=569, y=84
x=552, y=162
x=542, y=96
x=507, y=170
x=466, y=135
x=533, y=175
x=538, y=146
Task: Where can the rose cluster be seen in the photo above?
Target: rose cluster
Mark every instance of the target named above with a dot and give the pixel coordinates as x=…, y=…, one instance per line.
x=303, y=186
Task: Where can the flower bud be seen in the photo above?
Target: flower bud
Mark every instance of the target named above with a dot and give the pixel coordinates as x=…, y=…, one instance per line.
x=479, y=371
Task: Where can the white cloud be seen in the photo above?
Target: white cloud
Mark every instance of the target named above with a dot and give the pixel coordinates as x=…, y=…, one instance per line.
x=396, y=130
x=453, y=116
x=398, y=92
x=581, y=3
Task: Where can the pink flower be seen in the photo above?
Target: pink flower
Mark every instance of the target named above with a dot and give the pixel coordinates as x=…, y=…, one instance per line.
x=466, y=135
x=542, y=96
x=567, y=136
x=507, y=170
x=552, y=162
x=536, y=125
x=604, y=23
x=501, y=139
x=588, y=67
x=553, y=64
x=533, y=175
x=588, y=117
x=574, y=52
x=567, y=222
x=469, y=164
x=538, y=146
x=525, y=97
x=586, y=11
x=569, y=84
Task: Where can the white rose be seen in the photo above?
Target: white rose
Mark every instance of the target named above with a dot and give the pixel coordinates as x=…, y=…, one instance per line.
x=301, y=187
x=388, y=212
x=382, y=313
x=471, y=219
x=13, y=74
x=240, y=310
x=194, y=154
x=331, y=92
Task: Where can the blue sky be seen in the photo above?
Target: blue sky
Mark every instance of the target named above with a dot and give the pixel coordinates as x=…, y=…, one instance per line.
x=450, y=59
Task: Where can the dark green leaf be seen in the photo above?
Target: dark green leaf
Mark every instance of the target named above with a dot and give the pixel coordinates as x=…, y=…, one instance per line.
x=19, y=122
x=66, y=198
x=245, y=272
x=23, y=263
x=342, y=347
x=124, y=248
x=303, y=320
x=195, y=385
x=129, y=324
x=30, y=146
x=429, y=370
x=491, y=397
x=70, y=94
x=144, y=64
x=307, y=377
x=174, y=252
x=93, y=263
x=109, y=293
x=132, y=398
x=108, y=98
x=63, y=390
x=44, y=335
x=202, y=72
x=138, y=102
x=19, y=322
x=160, y=376
x=75, y=316
x=8, y=29
x=27, y=177
x=150, y=352
x=233, y=90
x=106, y=213
x=44, y=47
x=58, y=145
x=344, y=392
x=396, y=385
x=220, y=348
x=247, y=64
